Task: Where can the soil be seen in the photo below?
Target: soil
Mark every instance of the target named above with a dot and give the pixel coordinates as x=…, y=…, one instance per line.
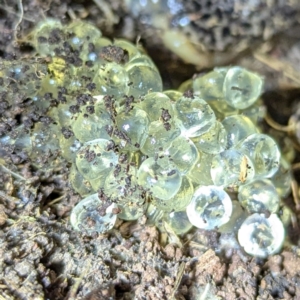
x=42, y=257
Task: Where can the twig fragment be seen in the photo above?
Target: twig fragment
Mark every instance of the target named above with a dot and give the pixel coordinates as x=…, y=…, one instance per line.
x=285, y=128
x=21, y=10
x=16, y=175
x=178, y=279
x=295, y=191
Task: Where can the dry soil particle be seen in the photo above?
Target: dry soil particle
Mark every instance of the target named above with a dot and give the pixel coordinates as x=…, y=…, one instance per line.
x=114, y=53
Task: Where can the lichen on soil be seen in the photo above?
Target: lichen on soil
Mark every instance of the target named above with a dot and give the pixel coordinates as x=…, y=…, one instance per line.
x=42, y=257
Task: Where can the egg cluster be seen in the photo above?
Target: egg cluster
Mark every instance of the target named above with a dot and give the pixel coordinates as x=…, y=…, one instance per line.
x=194, y=157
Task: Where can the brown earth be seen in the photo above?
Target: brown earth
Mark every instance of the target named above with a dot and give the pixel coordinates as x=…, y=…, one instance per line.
x=41, y=257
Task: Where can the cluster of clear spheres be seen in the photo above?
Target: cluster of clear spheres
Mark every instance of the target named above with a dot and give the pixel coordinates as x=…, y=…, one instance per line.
x=191, y=159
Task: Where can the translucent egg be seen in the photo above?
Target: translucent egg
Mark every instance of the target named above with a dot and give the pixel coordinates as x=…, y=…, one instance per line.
x=286, y=215
x=96, y=159
x=180, y=200
x=238, y=127
x=130, y=49
x=131, y=211
x=259, y=196
x=122, y=186
x=222, y=109
x=261, y=236
x=74, y=82
x=82, y=32
x=81, y=37
x=154, y=104
x=143, y=77
x=178, y=221
x=98, y=183
x=210, y=86
x=263, y=152
x=256, y=112
x=160, y=177
x=231, y=167
x=183, y=153
x=88, y=125
x=200, y=172
x=62, y=114
x=79, y=184
x=142, y=61
x=44, y=140
x=112, y=79
x=159, y=138
x=22, y=77
x=210, y=208
x=282, y=179
x=195, y=116
x=212, y=141
x=50, y=85
x=186, y=86
x=92, y=215
x=69, y=147
x=241, y=87
x=48, y=28
x=135, y=125
x=173, y=95
x=153, y=214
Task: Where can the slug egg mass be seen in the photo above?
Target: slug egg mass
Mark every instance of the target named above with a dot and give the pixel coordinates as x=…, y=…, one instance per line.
x=179, y=158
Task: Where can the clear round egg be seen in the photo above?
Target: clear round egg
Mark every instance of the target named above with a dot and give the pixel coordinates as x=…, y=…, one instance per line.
x=194, y=116
x=259, y=196
x=263, y=152
x=143, y=77
x=212, y=141
x=241, y=87
x=96, y=159
x=200, y=172
x=79, y=184
x=210, y=85
x=91, y=215
x=154, y=104
x=238, y=127
x=88, y=125
x=282, y=179
x=112, y=79
x=131, y=211
x=69, y=147
x=135, y=125
x=159, y=138
x=160, y=177
x=178, y=221
x=231, y=168
x=180, y=200
x=122, y=186
x=183, y=153
x=42, y=33
x=261, y=236
x=82, y=32
x=210, y=208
